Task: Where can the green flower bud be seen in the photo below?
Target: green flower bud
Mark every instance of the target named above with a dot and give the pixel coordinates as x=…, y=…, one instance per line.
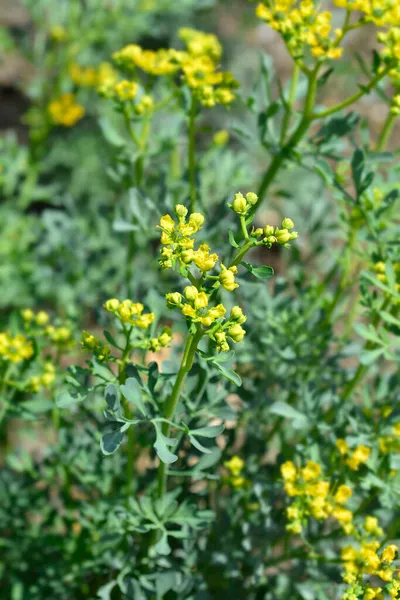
x=287, y=224
x=239, y=204
x=112, y=305
x=282, y=236
x=181, y=211
x=294, y=235
x=190, y=292
x=174, y=299
x=251, y=198
x=268, y=230
x=196, y=219
x=236, y=332
x=237, y=314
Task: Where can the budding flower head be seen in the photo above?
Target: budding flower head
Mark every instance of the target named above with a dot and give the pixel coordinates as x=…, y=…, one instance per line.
x=197, y=220
x=251, y=198
x=236, y=332
x=181, y=211
x=174, y=299
x=112, y=305
x=282, y=236
x=190, y=292
x=27, y=315
x=268, y=230
x=237, y=314
x=42, y=318
x=287, y=223
x=239, y=204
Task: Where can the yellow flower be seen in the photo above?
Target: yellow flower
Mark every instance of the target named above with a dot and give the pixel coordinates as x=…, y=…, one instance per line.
x=236, y=333
x=227, y=278
x=311, y=471
x=42, y=318
x=27, y=315
x=126, y=90
x=58, y=33
x=359, y=456
x=396, y=429
x=16, y=348
x=203, y=259
x=288, y=471
x=343, y=494
x=65, y=110
x=371, y=525
x=389, y=553
x=221, y=137
x=234, y=465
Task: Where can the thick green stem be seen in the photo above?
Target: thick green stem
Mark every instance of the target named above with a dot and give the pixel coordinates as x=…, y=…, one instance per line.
x=192, y=154
x=192, y=342
x=296, y=137
x=243, y=250
x=290, y=101
x=386, y=132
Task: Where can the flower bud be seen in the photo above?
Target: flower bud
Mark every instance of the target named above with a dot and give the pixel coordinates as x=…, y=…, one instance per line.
x=227, y=279
x=237, y=314
x=112, y=305
x=294, y=235
x=27, y=315
x=287, y=223
x=42, y=318
x=207, y=321
x=236, y=332
x=268, y=230
x=201, y=300
x=174, y=299
x=197, y=220
x=190, y=292
x=239, y=204
x=181, y=211
x=251, y=198
x=187, y=256
x=257, y=232
x=282, y=236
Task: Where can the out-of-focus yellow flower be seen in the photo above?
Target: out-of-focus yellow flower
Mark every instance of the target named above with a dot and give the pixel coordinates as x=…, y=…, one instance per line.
x=65, y=110
x=15, y=348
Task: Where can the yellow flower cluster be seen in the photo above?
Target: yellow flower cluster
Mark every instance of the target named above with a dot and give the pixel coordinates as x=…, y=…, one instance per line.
x=90, y=76
x=45, y=380
x=162, y=341
x=235, y=467
x=15, y=348
x=197, y=65
x=95, y=345
x=315, y=497
x=65, y=110
x=177, y=237
x=303, y=26
x=353, y=459
x=130, y=312
x=370, y=560
x=380, y=12
x=61, y=336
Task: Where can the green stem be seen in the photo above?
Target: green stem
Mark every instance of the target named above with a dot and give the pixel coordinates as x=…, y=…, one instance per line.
x=296, y=137
x=192, y=342
x=130, y=464
x=244, y=227
x=290, y=102
x=243, y=250
x=365, y=90
x=192, y=154
x=386, y=132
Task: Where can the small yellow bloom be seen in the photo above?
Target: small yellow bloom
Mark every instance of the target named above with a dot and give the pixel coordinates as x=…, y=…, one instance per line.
x=288, y=471
x=311, y=471
x=234, y=465
x=343, y=494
